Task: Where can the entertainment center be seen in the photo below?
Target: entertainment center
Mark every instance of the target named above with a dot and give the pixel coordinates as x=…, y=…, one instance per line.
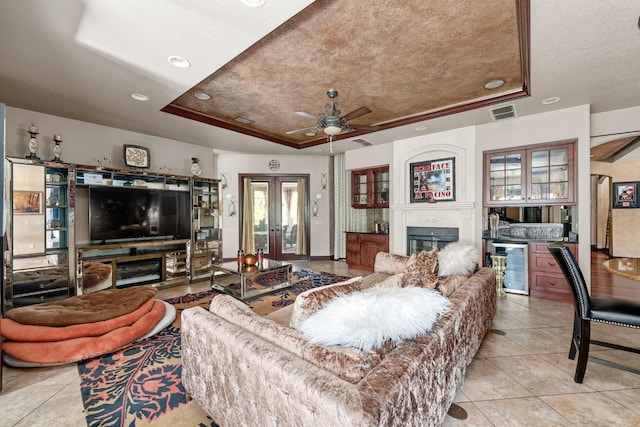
x=75, y=229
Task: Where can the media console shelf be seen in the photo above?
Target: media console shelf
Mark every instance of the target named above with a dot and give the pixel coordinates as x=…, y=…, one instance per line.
x=120, y=265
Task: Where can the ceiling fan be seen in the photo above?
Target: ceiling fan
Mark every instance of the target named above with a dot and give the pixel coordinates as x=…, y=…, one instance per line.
x=330, y=121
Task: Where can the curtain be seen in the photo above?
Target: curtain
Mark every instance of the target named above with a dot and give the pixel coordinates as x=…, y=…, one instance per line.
x=342, y=206
x=301, y=238
x=247, y=219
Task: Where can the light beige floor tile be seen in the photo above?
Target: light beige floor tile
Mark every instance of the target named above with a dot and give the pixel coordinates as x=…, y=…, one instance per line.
x=65, y=407
x=504, y=320
x=18, y=403
x=538, y=375
x=475, y=418
x=485, y=381
x=537, y=340
x=547, y=318
x=521, y=412
x=630, y=399
x=598, y=377
x=499, y=345
x=592, y=409
x=461, y=397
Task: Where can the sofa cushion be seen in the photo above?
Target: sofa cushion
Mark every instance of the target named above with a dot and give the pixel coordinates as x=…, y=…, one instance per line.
x=458, y=258
x=368, y=318
x=312, y=300
x=349, y=364
x=422, y=270
x=389, y=263
x=448, y=284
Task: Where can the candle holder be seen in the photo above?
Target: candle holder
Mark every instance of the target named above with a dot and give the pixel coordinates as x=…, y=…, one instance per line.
x=499, y=263
x=57, y=148
x=33, y=143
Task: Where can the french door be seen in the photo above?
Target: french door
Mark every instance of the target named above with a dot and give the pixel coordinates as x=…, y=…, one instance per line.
x=275, y=215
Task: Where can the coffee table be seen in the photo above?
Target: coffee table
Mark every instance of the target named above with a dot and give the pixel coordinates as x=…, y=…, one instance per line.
x=265, y=277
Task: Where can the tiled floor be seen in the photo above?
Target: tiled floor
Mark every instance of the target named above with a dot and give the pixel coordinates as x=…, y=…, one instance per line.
x=520, y=377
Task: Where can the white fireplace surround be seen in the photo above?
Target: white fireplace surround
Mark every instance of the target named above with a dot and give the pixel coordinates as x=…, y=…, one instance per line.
x=460, y=213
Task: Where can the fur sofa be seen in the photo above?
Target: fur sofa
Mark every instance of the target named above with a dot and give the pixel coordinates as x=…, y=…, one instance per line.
x=244, y=369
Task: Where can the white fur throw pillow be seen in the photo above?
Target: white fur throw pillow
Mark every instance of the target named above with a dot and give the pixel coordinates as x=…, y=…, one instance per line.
x=368, y=318
x=458, y=258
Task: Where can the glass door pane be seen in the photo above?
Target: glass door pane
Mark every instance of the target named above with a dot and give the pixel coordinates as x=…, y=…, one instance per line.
x=260, y=191
x=289, y=216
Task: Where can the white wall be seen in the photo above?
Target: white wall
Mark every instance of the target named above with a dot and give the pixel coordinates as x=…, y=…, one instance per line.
x=89, y=144
x=559, y=125
x=233, y=164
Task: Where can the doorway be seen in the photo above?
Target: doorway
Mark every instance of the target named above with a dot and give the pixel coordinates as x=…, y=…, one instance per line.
x=601, y=214
x=274, y=215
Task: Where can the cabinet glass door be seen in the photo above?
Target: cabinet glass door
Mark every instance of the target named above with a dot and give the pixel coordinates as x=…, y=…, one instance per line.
x=380, y=187
x=549, y=174
x=359, y=188
x=505, y=177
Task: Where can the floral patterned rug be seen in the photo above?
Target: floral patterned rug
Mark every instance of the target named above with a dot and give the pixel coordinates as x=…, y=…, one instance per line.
x=142, y=383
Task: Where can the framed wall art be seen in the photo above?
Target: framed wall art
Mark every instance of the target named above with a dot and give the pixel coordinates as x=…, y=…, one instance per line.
x=136, y=156
x=625, y=195
x=27, y=202
x=432, y=181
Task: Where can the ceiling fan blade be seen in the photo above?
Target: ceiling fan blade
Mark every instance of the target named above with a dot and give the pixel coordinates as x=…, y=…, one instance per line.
x=356, y=113
x=366, y=128
x=309, y=115
x=289, y=132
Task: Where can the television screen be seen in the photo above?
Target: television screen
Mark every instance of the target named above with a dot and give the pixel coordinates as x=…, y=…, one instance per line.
x=119, y=213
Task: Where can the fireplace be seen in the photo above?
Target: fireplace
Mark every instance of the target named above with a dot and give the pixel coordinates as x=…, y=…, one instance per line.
x=427, y=238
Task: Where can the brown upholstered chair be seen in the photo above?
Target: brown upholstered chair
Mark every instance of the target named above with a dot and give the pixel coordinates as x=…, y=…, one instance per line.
x=587, y=309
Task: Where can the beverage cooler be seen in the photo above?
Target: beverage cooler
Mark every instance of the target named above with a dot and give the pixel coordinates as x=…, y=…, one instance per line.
x=516, y=275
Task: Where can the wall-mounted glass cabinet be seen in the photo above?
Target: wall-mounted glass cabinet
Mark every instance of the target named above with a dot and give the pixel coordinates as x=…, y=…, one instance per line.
x=206, y=246
x=40, y=199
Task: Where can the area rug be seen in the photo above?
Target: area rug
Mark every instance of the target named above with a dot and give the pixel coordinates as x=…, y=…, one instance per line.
x=142, y=383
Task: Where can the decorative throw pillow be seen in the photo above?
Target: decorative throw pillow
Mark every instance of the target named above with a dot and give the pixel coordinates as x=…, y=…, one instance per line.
x=422, y=269
x=458, y=258
x=368, y=318
x=312, y=300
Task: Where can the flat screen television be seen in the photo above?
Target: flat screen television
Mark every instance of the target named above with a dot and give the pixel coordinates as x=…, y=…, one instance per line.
x=125, y=213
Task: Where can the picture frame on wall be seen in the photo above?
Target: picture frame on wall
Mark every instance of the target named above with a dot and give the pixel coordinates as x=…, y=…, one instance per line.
x=625, y=195
x=432, y=181
x=136, y=156
x=27, y=202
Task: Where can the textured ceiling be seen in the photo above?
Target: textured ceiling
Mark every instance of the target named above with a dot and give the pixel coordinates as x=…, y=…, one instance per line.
x=405, y=61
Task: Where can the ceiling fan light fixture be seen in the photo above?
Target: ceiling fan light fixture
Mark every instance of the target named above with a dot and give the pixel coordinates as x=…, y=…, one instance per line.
x=332, y=130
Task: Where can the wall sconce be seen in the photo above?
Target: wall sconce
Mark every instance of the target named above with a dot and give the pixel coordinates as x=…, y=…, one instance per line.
x=223, y=180
x=323, y=181
x=231, y=210
x=314, y=208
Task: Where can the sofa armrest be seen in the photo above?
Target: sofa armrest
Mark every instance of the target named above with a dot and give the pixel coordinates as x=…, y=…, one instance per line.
x=223, y=363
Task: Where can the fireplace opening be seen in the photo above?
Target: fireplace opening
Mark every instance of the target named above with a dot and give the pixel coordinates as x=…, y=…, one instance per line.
x=427, y=238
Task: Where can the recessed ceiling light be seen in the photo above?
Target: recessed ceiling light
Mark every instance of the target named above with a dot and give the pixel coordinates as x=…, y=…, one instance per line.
x=139, y=97
x=253, y=3
x=551, y=100
x=493, y=84
x=244, y=120
x=421, y=127
x=310, y=133
x=179, y=62
x=202, y=96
